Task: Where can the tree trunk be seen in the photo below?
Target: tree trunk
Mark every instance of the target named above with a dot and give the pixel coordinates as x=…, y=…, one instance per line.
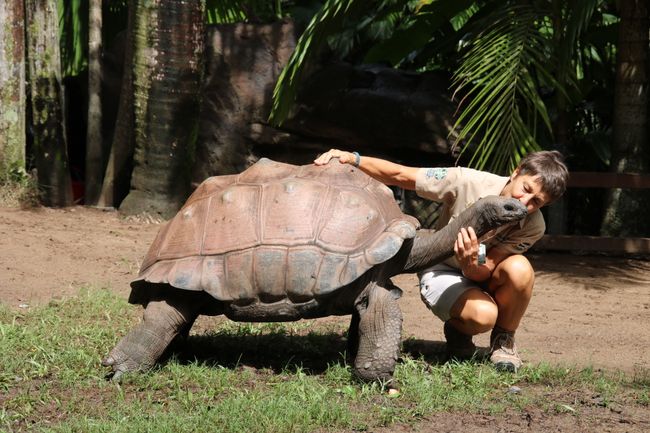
x=558, y=211
x=167, y=75
x=95, y=158
x=626, y=209
x=50, y=149
x=12, y=87
x=117, y=177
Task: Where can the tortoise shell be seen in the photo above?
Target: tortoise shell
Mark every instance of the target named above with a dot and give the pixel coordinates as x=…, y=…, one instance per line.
x=278, y=231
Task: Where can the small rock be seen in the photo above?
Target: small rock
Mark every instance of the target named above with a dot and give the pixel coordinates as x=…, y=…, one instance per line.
x=393, y=392
x=514, y=390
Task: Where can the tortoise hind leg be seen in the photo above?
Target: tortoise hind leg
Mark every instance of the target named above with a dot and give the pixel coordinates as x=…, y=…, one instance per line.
x=143, y=345
x=380, y=332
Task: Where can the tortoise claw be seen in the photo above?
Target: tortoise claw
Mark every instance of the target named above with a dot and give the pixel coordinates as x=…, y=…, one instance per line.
x=117, y=376
x=121, y=362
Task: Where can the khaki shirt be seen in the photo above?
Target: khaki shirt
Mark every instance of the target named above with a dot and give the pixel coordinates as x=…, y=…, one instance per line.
x=458, y=188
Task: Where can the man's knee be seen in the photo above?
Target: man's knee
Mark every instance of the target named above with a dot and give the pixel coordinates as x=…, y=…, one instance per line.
x=515, y=272
x=479, y=315
x=485, y=316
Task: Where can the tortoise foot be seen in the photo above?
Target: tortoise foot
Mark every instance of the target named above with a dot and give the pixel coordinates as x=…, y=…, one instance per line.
x=137, y=351
x=379, y=330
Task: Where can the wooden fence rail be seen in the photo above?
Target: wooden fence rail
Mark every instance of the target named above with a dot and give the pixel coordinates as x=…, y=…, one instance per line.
x=601, y=244
x=589, y=179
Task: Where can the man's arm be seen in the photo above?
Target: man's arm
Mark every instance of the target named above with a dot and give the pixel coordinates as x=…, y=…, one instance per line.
x=384, y=171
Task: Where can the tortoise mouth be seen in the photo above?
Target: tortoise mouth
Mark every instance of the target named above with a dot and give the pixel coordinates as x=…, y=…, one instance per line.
x=514, y=210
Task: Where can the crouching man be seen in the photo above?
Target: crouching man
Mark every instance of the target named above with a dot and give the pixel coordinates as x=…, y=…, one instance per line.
x=488, y=283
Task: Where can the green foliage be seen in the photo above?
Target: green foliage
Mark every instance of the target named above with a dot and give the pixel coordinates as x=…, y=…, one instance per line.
x=51, y=379
x=327, y=21
x=594, y=60
x=513, y=57
x=373, y=25
x=420, y=25
x=73, y=23
x=500, y=75
x=517, y=66
x=224, y=12
x=73, y=33
x=236, y=11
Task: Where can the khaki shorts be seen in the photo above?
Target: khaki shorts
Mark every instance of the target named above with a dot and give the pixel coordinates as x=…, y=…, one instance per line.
x=441, y=286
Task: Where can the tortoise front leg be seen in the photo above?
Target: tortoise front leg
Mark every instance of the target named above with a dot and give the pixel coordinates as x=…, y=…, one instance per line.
x=353, y=338
x=380, y=332
x=143, y=345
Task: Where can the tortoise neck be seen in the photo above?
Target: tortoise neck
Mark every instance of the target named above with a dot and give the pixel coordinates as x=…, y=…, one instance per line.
x=430, y=247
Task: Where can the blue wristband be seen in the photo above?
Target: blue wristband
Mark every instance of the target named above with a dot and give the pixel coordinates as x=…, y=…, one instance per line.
x=357, y=158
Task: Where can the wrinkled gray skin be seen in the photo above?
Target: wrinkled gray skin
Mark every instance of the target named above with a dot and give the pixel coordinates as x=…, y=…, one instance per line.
x=375, y=329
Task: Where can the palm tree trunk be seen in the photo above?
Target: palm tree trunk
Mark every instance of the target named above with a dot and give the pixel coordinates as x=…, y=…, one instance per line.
x=117, y=177
x=167, y=71
x=12, y=87
x=95, y=158
x=50, y=148
x=625, y=209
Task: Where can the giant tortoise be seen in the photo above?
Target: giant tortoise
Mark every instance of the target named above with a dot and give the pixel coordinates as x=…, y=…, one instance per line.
x=280, y=242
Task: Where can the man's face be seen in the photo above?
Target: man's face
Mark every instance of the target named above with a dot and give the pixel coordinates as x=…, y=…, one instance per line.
x=527, y=190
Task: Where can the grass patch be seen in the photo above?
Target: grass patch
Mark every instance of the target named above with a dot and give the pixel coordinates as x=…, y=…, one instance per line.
x=250, y=378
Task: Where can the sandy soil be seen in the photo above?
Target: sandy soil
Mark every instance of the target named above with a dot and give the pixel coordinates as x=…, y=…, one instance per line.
x=586, y=310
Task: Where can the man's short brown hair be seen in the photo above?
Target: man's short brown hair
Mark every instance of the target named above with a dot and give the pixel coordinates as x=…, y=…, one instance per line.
x=549, y=166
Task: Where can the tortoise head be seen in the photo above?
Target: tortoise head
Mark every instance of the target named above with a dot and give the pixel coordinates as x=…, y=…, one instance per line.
x=494, y=211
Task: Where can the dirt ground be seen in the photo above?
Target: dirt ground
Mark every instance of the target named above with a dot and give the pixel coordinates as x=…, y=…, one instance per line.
x=586, y=310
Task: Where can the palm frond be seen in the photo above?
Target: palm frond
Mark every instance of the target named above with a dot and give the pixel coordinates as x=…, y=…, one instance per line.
x=236, y=11
x=326, y=22
x=576, y=18
x=224, y=11
x=498, y=78
x=572, y=19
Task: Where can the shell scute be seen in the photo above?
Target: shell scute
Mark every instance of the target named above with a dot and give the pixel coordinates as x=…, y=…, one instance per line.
x=270, y=273
x=240, y=284
x=185, y=233
x=302, y=272
x=290, y=211
x=329, y=273
x=213, y=277
x=351, y=221
x=209, y=186
x=232, y=222
x=186, y=273
x=385, y=246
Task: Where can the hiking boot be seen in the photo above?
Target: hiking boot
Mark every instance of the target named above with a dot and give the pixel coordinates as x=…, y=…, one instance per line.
x=503, y=349
x=459, y=345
